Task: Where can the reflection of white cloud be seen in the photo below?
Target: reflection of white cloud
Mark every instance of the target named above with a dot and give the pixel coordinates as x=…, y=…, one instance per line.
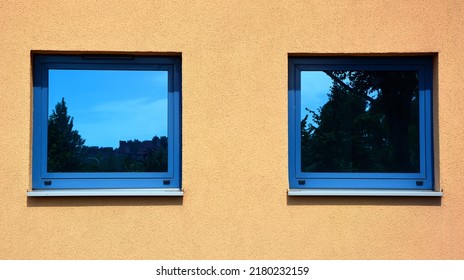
x=106, y=123
x=112, y=105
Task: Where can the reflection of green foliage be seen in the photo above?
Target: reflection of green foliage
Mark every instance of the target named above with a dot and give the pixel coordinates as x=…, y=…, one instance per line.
x=134, y=156
x=132, y=165
x=355, y=132
x=64, y=143
x=157, y=158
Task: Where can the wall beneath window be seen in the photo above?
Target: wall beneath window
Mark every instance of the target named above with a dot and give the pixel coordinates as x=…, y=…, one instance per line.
x=234, y=132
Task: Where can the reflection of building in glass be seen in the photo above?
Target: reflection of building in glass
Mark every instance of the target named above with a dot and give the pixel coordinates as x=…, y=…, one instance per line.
x=139, y=150
x=146, y=156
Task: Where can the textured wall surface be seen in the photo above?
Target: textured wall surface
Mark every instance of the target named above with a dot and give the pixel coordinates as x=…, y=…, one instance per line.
x=234, y=132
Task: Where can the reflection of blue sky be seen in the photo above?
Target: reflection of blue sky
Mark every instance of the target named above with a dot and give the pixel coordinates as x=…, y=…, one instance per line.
x=112, y=105
x=315, y=86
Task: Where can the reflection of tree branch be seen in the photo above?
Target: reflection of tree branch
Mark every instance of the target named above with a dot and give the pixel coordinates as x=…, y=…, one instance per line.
x=348, y=88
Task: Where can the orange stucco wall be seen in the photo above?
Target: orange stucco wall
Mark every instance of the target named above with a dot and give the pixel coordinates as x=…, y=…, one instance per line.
x=234, y=132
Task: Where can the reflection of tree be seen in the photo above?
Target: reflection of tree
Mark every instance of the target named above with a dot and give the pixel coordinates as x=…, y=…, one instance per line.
x=64, y=143
x=369, y=124
x=145, y=156
x=67, y=152
x=157, y=157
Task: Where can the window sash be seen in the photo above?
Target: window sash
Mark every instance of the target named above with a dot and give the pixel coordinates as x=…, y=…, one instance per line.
x=59, y=180
x=420, y=180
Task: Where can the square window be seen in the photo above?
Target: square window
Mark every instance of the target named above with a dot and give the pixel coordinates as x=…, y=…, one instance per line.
x=360, y=123
x=106, y=122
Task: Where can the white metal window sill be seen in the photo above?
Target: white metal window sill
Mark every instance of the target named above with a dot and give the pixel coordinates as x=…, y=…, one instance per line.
x=342, y=192
x=106, y=192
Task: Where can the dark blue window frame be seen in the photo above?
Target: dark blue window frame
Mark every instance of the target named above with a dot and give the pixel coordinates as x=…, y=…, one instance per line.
x=423, y=180
x=43, y=180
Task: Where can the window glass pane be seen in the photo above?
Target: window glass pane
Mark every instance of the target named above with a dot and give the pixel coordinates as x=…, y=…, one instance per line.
x=360, y=121
x=107, y=121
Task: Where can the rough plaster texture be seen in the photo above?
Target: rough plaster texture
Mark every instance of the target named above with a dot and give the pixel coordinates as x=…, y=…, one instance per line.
x=234, y=126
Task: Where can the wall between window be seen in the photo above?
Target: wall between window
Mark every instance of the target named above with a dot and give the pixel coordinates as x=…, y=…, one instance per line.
x=234, y=132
